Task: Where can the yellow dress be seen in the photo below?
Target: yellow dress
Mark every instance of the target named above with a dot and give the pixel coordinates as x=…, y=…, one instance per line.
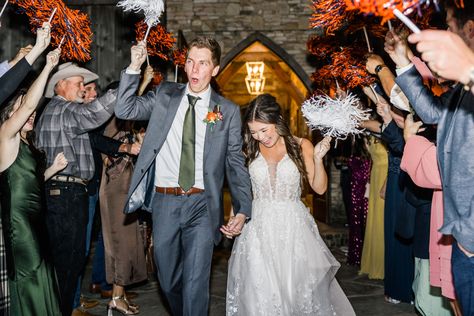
x=372, y=262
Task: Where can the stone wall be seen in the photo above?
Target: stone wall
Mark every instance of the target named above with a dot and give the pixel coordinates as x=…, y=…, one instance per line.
x=283, y=21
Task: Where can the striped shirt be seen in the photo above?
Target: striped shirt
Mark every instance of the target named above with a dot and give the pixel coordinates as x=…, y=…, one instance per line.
x=64, y=126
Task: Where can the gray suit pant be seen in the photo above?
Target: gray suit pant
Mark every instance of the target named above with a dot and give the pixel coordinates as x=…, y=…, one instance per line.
x=183, y=246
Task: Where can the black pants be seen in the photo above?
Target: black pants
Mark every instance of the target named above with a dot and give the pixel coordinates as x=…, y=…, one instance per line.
x=66, y=221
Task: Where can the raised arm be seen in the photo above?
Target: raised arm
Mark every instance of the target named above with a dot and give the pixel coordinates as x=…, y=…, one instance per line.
x=129, y=105
x=13, y=77
x=30, y=101
x=313, y=159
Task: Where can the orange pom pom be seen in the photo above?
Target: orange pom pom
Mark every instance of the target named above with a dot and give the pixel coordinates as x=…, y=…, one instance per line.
x=159, y=41
x=179, y=57
x=72, y=24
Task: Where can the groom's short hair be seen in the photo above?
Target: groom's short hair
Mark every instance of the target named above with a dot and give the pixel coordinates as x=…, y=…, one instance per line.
x=209, y=43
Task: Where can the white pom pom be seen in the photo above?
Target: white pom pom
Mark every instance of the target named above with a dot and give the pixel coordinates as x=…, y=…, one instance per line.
x=151, y=8
x=334, y=117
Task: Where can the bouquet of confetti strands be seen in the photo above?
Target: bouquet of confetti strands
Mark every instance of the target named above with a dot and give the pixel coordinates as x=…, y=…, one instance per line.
x=159, y=41
x=151, y=8
x=330, y=15
x=69, y=27
x=336, y=118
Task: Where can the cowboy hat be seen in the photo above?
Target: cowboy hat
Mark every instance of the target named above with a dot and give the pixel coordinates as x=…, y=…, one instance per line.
x=65, y=71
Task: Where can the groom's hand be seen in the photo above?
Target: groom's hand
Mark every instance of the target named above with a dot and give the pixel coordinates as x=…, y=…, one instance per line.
x=234, y=226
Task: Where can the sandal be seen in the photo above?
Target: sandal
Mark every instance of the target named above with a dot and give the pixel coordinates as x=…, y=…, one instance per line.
x=127, y=310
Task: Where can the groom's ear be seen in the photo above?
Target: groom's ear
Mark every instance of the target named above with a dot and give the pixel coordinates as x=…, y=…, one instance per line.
x=215, y=71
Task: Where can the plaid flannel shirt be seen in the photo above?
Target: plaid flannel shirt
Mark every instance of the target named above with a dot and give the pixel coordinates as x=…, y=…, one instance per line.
x=64, y=126
x=4, y=289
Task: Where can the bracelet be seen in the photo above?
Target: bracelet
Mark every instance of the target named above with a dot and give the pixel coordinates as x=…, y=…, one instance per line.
x=379, y=68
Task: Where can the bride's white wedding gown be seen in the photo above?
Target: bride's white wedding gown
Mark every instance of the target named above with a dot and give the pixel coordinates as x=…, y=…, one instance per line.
x=279, y=264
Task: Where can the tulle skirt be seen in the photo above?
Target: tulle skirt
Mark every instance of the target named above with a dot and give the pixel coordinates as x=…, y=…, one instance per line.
x=281, y=266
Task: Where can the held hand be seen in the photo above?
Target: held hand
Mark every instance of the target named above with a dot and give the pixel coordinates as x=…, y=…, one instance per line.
x=373, y=60
x=321, y=148
x=60, y=162
x=52, y=59
x=137, y=56
x=234, y=226
x=21, y=53
x=43, y=36
x=397, y=49
x=411, y=127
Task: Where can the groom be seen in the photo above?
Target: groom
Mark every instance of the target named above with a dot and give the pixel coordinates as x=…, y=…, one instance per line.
x=192, y=140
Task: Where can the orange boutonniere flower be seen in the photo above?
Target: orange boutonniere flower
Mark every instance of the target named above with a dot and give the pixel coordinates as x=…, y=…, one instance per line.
x=214, y=116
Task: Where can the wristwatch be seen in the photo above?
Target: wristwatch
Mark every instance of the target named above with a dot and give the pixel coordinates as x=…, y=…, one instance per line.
x=378, y=68
x=470, y=83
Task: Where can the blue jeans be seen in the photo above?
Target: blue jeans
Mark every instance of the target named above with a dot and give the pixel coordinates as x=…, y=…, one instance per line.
x=66, y=221
x=463, y=277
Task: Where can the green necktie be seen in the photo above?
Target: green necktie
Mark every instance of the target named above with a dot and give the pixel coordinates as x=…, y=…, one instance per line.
x=187, y=163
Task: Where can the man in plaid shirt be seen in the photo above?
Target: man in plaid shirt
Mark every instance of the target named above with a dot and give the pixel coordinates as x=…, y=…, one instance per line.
x=63, y=127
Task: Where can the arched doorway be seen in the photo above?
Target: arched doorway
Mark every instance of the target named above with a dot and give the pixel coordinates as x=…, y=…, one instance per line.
x=284, y=77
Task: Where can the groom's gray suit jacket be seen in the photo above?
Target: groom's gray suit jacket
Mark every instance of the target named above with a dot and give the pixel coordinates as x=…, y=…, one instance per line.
x=222, y=147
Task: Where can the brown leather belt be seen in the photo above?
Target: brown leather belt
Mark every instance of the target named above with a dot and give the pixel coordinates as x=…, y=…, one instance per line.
x=63, y=178
x=178, y=191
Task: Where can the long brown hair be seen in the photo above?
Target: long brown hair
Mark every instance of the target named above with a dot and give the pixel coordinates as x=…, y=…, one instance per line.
x=265, y=109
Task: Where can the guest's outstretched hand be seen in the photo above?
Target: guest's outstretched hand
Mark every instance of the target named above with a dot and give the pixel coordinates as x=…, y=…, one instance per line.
x=21, y=53
x=43, y=38
x=397, y=49
x=52, y=59
x=446, y=54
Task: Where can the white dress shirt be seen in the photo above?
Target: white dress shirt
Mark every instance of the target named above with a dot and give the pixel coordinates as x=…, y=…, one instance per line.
x=167, y=160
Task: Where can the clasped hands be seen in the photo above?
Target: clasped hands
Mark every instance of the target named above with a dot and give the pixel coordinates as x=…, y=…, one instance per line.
x=234, y=226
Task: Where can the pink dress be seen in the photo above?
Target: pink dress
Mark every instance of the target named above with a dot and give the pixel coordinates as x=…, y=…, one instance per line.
x=420, y=162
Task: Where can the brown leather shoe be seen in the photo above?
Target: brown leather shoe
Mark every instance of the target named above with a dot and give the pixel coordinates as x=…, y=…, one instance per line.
x=80, y=312
x=94, y=288
x=88, y=302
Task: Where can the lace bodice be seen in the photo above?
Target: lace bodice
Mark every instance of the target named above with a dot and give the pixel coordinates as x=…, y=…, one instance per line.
x=275, y=181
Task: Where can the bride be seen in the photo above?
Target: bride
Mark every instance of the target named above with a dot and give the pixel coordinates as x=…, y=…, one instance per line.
x=279, y=264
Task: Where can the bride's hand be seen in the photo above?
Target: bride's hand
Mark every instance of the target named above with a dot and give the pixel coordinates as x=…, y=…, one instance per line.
x=322, y=148
x=234, y=226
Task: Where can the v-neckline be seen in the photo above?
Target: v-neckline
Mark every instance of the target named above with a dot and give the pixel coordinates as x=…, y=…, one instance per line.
x=276, y=163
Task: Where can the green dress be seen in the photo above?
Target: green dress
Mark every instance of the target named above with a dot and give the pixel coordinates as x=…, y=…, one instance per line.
x=33, y=289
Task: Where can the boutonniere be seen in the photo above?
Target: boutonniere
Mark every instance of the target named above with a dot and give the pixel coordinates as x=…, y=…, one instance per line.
x=214, y=116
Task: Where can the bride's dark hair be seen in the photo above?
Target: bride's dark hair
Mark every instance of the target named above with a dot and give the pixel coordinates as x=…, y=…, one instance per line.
x=265, y=109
